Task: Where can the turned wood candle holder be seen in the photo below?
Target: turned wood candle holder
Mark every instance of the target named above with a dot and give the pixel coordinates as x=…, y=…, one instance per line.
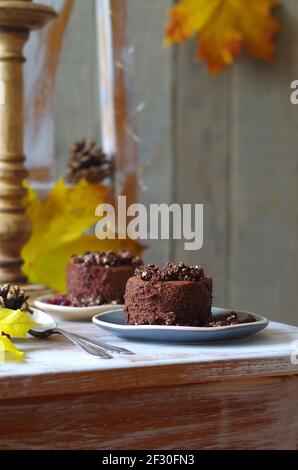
x=17, y=19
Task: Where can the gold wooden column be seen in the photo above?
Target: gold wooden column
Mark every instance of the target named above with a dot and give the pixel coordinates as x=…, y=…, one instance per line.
x=17, y=19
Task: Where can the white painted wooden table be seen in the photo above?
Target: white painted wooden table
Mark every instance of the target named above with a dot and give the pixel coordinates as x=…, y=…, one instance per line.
x=240, y=395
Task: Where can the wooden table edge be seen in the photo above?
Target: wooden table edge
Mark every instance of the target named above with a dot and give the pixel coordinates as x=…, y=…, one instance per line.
x=92, y=381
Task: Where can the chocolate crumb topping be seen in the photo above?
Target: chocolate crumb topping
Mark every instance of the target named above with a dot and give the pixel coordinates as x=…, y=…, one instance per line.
x=148, y=273
x=109, y=258
x=228, y=319
x=170, y=272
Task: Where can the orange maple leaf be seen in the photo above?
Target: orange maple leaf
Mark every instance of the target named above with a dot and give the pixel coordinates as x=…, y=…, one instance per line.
x=225, y=26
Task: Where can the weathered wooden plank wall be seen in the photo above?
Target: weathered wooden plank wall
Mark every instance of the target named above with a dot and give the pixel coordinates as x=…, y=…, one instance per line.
x=42, y=54
x=77, y=98
x=228, y=142
x=201, y=159
x=236, y=151
x=153, y=82
x=263, y=177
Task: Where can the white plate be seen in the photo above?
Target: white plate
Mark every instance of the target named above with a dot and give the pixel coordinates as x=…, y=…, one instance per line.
x=115, y=324
x=71, y=313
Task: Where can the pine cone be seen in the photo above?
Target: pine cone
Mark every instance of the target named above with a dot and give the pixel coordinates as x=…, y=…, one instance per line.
x=14, y=298
x=88, y=162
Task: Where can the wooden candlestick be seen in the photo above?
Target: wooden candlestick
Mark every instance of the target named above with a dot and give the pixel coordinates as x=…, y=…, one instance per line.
x=17, y=19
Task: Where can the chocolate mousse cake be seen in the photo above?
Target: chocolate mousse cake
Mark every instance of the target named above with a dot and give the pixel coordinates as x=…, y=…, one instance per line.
x=98, y=278
x=175, y=295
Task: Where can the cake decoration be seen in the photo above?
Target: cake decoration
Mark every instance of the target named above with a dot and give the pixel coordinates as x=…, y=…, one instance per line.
x=170, y=272
x=109, y=258
x=228, y=319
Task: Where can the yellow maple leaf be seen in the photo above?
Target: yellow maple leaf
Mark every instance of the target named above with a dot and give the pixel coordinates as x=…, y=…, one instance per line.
x=224, y=26
x=6, y=345
x=14, y=323
x=59, y=227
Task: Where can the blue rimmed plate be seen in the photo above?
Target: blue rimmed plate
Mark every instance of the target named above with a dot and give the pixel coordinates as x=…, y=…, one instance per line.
x=113, y=321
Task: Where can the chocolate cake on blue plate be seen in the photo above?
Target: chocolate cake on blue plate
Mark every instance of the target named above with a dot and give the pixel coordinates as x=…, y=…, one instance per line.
x=175, y=295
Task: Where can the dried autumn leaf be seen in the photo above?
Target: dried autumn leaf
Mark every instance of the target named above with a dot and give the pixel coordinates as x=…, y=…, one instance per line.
x=224, y=26
x=59, y=228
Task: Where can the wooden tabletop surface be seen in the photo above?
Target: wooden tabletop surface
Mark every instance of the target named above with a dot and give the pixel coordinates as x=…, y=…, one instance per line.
x=237, y=395
x=56, y=361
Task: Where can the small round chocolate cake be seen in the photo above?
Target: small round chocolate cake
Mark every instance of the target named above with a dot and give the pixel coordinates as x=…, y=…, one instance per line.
x=98, y=278
x=175, y=295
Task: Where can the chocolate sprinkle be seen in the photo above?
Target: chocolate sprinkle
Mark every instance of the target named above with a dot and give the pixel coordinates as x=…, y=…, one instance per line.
x=170, y=272
x=148, y=273
x=109, y=258
x=227, y=319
